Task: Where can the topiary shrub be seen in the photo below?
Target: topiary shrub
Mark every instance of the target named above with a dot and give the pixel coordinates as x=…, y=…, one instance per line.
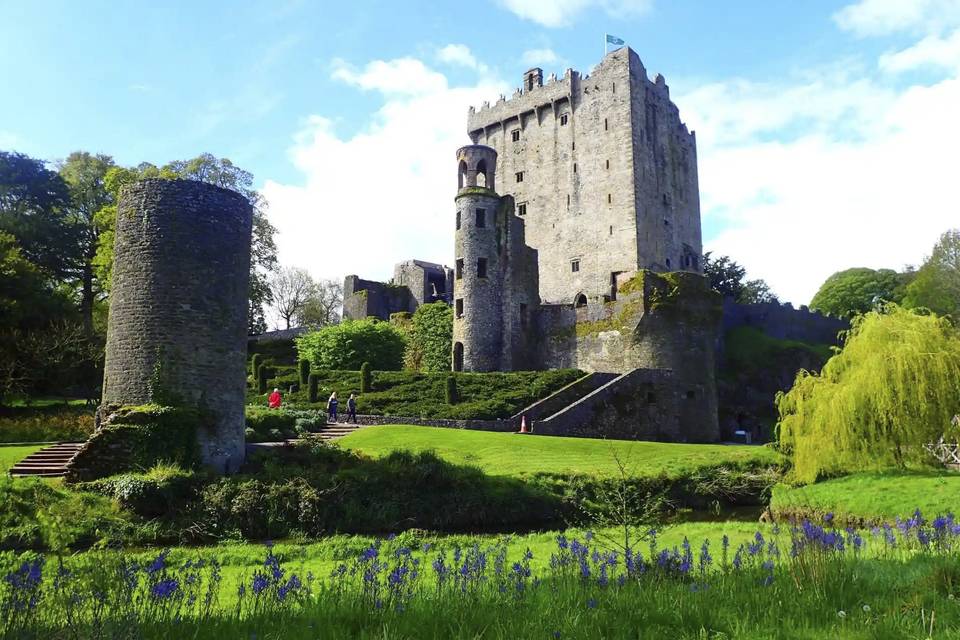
x=303, y=366
x=451, y=390
x=264, y=373
x=366, y=378
x=255, y=361
x=313, y=385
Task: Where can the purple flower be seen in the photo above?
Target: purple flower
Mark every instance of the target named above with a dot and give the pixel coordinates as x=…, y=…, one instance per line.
x=592, y=603
x=164, y=589
x=260, y=582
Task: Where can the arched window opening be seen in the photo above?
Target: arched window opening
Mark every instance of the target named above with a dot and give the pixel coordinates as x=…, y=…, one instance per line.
x=482, y=173
x=458, y=356
x=462, y=175
x=580, y=301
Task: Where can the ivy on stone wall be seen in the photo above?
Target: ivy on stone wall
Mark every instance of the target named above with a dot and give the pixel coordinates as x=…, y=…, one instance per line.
x=431, y=337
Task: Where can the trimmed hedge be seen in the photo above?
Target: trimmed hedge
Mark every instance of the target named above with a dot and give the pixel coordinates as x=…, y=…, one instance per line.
x=274, y=425
x=481, y=396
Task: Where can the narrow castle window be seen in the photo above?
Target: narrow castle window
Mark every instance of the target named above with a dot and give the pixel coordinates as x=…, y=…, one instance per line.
x=574, y=266
x=515, y=134
x=609, y=198
x=481, y=218
x=611, y=229
x=614, y=87
x=651, y=397
x=459, y=307
x=606, y=125
x=563, y=120
x=668, y=263
x=568, y=201
x=574, y=167
x=608, y=164
x=458, y=221
x=459, y=268
x=523, y=316
x=519, y=176
x=481, y=267
x=573, y=146
x=691, y=395
x=522, y=209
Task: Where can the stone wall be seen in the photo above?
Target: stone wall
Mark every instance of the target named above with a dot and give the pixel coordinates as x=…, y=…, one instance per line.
x=784, y=322
x=642, y=404
x=368, y=298
x=177, y=332
x=564, y=397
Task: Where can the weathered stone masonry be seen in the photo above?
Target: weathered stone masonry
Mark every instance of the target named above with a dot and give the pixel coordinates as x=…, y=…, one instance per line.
x=178, y=307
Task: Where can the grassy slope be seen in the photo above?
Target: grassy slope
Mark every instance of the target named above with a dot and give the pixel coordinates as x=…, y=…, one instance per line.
x=512, y=454
x=9, y=456
x=875, y=495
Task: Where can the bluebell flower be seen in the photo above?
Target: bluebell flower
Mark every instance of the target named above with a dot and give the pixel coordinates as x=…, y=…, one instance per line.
x=164, y=589
x=592, y=603
x=260, y=582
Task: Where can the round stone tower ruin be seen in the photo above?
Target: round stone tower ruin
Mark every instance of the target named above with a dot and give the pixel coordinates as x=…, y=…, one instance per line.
x=178, y=307
x=479, y=251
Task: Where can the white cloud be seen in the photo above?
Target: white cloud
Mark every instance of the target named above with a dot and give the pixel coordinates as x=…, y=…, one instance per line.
x=561, y=13
x=932, y=52
x=458, y=54
x=400, y=77
x=883, y=17
x=536, y=57
x=808, y=178
x=385, y=194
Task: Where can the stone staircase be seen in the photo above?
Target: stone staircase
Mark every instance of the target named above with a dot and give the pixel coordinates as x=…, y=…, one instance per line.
x=337, y=430
x=49, y=462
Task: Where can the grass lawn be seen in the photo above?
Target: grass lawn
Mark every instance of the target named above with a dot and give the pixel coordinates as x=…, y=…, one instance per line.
x=515, y=455
x=9, y=456
x=874, y=495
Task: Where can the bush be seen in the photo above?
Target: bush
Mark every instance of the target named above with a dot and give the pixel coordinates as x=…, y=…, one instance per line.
x=255, y=362
x=273, y=425
x=451, y=390
x=47, y=424
x=303, y=366
x=160, y=492
x=263, y=372
x=349, y=344
x=366, y=378
x=430, y=338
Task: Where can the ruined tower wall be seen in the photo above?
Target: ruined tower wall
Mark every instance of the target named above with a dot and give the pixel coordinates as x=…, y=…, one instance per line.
x=599, y=157
x=178, y=306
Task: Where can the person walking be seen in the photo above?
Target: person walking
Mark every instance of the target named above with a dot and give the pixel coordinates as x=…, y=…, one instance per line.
x=332, y=407
x=275, y=399
x=352, y=408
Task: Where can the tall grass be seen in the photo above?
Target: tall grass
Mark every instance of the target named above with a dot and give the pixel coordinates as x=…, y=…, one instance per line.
x=808, y=580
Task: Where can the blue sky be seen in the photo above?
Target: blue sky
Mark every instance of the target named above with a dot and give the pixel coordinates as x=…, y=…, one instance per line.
x=815, y=120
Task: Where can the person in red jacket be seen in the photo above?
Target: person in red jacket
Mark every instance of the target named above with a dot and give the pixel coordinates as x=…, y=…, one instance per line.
x=275, y=399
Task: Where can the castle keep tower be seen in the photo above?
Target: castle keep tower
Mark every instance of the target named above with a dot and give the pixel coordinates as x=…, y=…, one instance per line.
x=603, y=173
x=478, y=273
x=178, y=307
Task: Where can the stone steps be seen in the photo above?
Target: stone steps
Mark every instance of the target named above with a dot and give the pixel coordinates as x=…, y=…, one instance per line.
x=49, y=462
x=337, y=430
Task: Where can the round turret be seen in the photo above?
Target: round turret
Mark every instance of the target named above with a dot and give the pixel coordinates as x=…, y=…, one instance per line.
x=478, y=278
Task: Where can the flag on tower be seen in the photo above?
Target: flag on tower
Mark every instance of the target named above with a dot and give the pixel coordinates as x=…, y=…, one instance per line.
x=614, y=40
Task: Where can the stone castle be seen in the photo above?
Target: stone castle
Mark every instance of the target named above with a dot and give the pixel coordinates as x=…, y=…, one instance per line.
x=577, y=243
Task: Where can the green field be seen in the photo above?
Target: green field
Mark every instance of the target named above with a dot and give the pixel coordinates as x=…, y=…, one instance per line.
x=11, y=455
x=873, y=495
x=509, y=454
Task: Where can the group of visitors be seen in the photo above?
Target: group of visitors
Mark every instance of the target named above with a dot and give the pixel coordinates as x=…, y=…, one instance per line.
x=275, y=400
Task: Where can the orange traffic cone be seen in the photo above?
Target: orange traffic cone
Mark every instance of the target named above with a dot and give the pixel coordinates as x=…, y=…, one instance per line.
x=523, y=425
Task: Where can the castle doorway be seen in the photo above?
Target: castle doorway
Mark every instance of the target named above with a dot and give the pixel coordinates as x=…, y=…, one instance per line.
x=580, y=301
x=458, y=356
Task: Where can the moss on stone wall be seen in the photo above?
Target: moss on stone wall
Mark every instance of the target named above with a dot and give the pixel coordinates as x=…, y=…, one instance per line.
x=623, y=317
x=476, y=191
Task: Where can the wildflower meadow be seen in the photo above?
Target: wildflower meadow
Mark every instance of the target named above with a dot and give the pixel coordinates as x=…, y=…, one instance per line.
x=808, y=579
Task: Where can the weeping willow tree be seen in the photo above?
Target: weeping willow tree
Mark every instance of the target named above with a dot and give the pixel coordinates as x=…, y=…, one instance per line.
x=893, y=387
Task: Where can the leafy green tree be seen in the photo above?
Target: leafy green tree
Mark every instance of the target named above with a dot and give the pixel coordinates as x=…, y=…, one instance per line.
x=34, y=203
x=727, y=277
x=349, y=344
x=858, y=290
x=85, y=175
x=431, y=337
x=890, y=390
x=937, y=283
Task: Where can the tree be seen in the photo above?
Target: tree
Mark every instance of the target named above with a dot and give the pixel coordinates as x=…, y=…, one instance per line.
x=858, y=290
x=351, y=343
x=323, y=306
x=291, y=289
x=888, y=392
x=727, y=277
x=937, y=283
x=431, y=338
x=85, y=177
x=34, y=204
